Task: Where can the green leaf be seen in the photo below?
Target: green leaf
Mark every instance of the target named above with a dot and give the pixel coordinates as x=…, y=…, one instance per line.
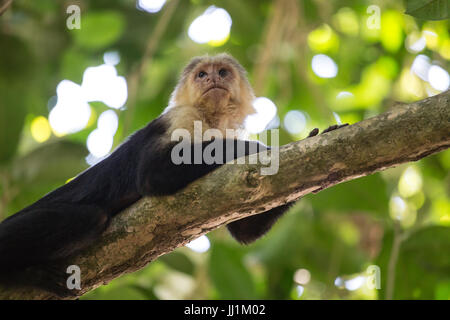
x=45, y=169
x=301, y=240
x=423, y=265
x=15, y=70
x=428, y=9
x=364, y=194
x=73, y=63
x=442, y=291
x=55, y=161
x=99, y=29
x=123, y=293
x=229, y=275
x=178, y=261
x=11, y=122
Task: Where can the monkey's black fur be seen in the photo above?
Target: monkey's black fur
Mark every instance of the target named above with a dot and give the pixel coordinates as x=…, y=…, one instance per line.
x=74, y=215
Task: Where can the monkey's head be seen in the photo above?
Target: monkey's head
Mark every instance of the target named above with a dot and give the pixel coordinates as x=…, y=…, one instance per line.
x=218, y=88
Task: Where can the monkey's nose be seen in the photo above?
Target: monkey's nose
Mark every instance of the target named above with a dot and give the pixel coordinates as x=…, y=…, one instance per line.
x=212, y=78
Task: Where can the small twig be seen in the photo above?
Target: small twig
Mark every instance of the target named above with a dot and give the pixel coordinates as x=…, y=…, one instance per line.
x=390, y=281
x=136, y=75
x=8, y=193
x=5, y=6
x=273, y=31
x=3, y=196
x=335, y=261
x=301, y=45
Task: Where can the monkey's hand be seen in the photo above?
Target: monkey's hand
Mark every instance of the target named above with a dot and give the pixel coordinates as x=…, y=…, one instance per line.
x=315, y=131
x=334, y=127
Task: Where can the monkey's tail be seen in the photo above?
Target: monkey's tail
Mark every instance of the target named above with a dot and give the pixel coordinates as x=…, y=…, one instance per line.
x=44, y=233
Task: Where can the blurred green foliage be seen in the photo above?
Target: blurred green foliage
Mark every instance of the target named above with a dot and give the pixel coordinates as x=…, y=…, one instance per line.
x=335, y=235
x=431, y=10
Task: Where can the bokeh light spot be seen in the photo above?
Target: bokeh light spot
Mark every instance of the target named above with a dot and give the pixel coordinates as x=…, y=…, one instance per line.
x=323, y=66
x=71, y=112
x=401, y=211
x=99, y=143
x=355, y=283
x=108, y=122
x=415, y=42
x=346, y=21
x=212, y=26
x=102, y=83
x=323, y=39
x=302, y=276
x=111, y=58
x=438, y=78
x=397, y=208
x=410, y=182
x=431, y=38
x=201, y=244
x=420, y=66
x=299, y=289
x=151, y=6
x=294, y=122
x=40, y=129
x=266, y=110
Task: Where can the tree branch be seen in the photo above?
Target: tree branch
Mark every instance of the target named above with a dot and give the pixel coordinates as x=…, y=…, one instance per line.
x=4, y=5
x=157, y=225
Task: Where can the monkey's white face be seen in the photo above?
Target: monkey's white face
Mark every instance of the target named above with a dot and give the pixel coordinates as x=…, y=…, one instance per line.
x=214, y=90
x=214, y=84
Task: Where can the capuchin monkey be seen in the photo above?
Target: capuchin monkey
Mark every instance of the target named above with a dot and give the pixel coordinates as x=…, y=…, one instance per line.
x=213, y=90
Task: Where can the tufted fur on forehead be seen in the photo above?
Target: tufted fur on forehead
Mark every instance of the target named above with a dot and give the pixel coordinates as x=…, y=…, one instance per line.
x=220, y=58
x=183, y=108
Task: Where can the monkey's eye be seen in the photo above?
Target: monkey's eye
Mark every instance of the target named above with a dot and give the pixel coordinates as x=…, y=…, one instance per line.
x=201, y=74
x=223, y=72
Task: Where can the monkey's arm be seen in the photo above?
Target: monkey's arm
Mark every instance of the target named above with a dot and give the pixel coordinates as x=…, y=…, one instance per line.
x=160, y=171
x=158, y=175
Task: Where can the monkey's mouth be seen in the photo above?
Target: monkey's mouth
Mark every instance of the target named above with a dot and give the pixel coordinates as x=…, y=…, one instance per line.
x=214, y=87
